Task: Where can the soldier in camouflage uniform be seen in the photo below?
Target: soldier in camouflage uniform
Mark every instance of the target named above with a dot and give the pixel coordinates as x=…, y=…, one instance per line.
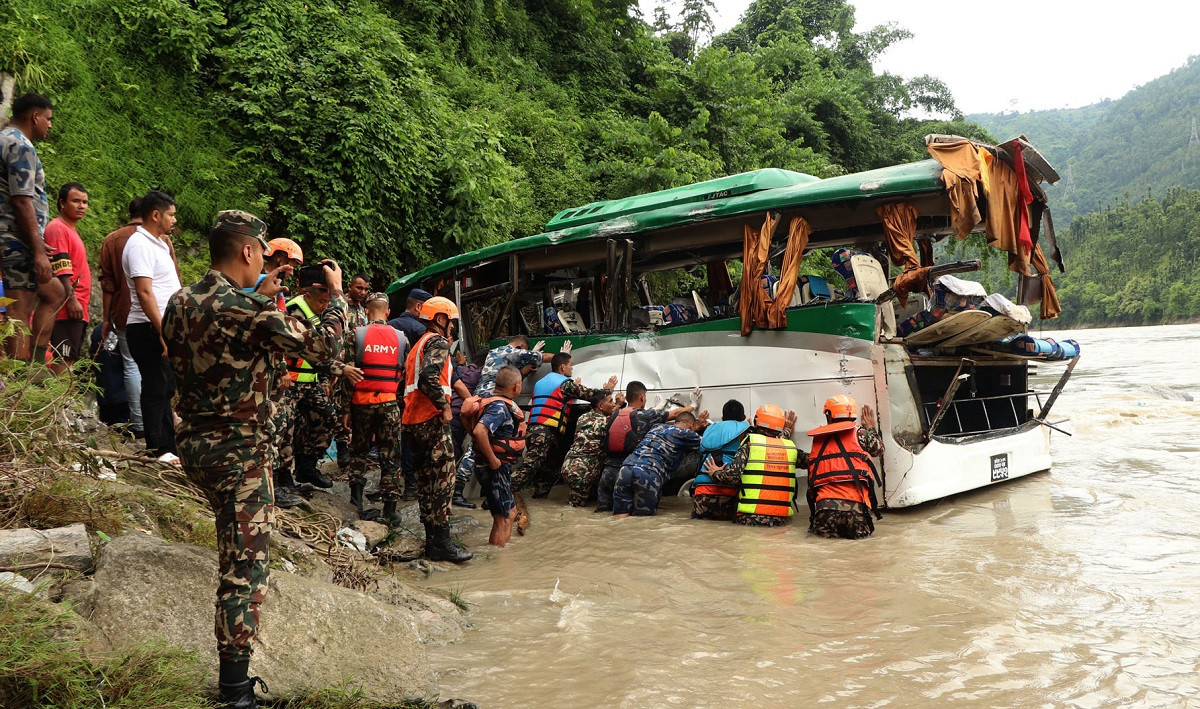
x=582, y=465
x=343, y=387
x=426, y=422
x=314, y=419
x=651, y=464
x=552, y=397
x=514, y=354
x=282, y=252
x=221, y=342
x=844, y=508
x=375, y=408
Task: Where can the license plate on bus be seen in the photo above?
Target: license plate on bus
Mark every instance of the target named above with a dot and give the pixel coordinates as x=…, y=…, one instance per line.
x=1000, y=467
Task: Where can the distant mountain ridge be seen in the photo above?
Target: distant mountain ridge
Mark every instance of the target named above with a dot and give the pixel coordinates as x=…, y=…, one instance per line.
x=1140, y=144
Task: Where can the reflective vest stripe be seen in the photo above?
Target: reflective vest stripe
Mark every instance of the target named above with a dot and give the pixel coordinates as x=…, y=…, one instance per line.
x=417, y=407
x=768, y=482
x=299, y=369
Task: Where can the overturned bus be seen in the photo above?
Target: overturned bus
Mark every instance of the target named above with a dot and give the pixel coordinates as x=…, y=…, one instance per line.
x=778, y=287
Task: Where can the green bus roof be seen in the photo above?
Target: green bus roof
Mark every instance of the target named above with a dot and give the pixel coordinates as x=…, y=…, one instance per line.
x=661, y=210
x=720, y=188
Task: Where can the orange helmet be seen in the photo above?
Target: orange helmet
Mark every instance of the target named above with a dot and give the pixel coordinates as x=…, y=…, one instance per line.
x=436, y=305
x=285, y=244
x=841, y=407
x=769, y=416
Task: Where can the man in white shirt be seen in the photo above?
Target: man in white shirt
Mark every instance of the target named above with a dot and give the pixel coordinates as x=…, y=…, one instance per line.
x=153, y=278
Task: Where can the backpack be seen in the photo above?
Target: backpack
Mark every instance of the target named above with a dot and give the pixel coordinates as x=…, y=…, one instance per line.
x=508, y=449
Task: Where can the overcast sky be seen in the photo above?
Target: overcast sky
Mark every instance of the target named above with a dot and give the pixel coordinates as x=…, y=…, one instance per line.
x=1050, y=54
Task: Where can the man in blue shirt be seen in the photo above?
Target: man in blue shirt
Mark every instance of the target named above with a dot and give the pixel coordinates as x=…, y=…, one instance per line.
x=650, y=465
x=408, y=323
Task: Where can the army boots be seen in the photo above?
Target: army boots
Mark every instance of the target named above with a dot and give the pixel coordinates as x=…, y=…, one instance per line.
x=307, y=472
x=440, y=547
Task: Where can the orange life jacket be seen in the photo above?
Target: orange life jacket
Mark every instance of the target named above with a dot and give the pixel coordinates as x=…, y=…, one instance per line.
x=509, y=448
x=417, y=407
x=379, y=353
x=838, y=468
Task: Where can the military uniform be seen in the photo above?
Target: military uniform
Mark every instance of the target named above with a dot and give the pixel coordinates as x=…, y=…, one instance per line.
x=222, y=343
x=849, y=519
x=641, y=421
x=339, y=395
x=377, y=423
x=430, y=441
x=723, y=507
x=649, y=466
x=585, y=459
x=543, y=444
x=497, y=359
x=23, y=176
x=314, y=420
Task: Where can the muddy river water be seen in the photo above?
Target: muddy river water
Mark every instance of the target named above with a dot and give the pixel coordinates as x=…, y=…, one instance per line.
x=1077, y=587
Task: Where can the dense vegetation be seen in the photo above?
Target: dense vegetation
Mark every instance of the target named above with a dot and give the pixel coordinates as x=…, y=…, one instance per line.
x=389, y=133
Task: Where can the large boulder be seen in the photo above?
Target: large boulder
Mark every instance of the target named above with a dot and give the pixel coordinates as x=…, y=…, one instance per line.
x=33, y=551
x=313, y=633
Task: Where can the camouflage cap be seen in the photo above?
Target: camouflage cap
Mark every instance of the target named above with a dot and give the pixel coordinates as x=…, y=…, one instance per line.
x=238, y=222
x=376, y=296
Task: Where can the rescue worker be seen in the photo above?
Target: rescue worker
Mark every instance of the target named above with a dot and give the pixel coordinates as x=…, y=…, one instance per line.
x=841, y=476
x=551, y=402
x=222, y=343
x=651, y=464
x=283, y=256
x=342, y=389
x=584, y=461
x=315, y=418
x=626, y=429
x=426, y=420
x=762, y=474
x=498, y=426
x=721, y=441
x=409, y=323
x=516, y=353
x=375, y=409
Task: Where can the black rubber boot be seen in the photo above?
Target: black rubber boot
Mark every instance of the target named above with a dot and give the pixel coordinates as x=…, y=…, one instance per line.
x=391, y=513
x=410, y=487
x=286, y=494
x=240, y=695
x=307, y=472
x=443, y=548
x=459, y=500
x=356, y=495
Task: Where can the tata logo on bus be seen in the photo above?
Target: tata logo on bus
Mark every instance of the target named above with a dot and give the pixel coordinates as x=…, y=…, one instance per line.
x=1000, y=467
x=722, y=194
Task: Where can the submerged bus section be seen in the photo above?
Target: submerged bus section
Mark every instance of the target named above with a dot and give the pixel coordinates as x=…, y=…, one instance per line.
x=705, y=285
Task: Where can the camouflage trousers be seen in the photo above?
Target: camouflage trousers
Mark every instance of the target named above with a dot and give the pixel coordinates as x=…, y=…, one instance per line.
x=841, y=518
x=760, y=520
x=378, y=424
x=716, y=507
x=541, y=449
x=582, y=475
x=339, y=396
x=608, y=479
x=316, y=420
x=637, y=491
x=282, y=429
x=243, y=500
x=433, y=463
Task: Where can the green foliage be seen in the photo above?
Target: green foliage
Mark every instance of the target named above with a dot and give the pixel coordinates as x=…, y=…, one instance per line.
x=42, y=664
x=391, y=134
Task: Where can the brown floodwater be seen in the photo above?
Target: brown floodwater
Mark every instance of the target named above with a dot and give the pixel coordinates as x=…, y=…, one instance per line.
x=1077, y=587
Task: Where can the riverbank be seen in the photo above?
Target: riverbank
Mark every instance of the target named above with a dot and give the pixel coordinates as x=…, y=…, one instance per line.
x=125, y=618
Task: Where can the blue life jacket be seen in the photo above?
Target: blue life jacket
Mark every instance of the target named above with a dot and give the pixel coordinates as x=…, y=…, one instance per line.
x=549, y=404
x=723, y=439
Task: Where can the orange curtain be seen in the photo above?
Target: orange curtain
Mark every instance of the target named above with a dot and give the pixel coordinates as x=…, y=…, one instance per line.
x=1003, y=218
x=1050, y=306
x=960, y=173
x=798, y=233
x=752, y=300
x=899, y=226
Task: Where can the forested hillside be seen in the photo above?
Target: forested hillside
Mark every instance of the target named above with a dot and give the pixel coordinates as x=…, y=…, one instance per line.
x=389, y=133
x=1138, y=145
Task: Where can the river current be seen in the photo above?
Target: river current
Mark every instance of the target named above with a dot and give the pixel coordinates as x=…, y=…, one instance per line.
x=1076, y=587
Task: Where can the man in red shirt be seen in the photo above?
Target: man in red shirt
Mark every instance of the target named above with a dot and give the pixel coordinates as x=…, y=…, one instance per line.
x=66, y=339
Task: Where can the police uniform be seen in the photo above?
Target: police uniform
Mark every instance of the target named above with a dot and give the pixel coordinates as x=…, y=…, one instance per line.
x=626, y=429
x=497, y=359
x=221, y=342
x=649, y=466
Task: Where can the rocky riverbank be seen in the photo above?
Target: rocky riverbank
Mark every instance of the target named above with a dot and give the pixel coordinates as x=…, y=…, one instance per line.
x=116, y=553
